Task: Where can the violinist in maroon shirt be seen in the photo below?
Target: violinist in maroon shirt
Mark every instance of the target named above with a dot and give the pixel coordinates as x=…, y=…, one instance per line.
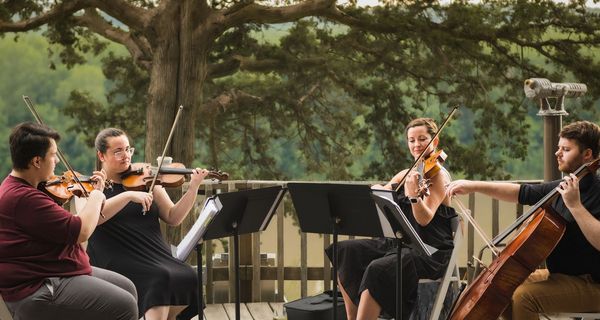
x=44, y=271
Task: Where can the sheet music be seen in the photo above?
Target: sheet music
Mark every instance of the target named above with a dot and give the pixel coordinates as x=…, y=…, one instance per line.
x=388, y=199
x=211, y=207
x=386, y=227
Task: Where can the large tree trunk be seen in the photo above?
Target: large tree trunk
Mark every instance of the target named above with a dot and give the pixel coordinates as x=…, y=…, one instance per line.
x=178, y=73
x=162, y=92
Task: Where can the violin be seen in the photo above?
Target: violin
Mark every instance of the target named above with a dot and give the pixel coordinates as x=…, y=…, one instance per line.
x=63, y=188
x=433, y=164
x=140, y=175
x=428, y=169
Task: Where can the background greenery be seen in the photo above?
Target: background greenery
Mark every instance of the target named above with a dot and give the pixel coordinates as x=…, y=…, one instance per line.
x=30, y=67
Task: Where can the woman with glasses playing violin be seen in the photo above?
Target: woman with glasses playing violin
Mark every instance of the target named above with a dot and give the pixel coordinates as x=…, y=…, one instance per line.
x=367, y=267
x=44, y=271
x=129, y=240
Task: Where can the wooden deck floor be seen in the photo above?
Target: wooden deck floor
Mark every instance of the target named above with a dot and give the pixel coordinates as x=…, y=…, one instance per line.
x=248, y=311
x=265, y=311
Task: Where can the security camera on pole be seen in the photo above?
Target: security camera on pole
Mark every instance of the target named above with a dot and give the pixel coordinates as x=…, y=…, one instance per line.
x=543, y=89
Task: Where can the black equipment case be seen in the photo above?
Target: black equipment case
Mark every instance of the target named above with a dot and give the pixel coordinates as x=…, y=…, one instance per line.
x=319, y=307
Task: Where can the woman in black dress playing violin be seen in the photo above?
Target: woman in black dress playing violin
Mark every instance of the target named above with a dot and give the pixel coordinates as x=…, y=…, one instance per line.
x=129, y=240
x=367, y=266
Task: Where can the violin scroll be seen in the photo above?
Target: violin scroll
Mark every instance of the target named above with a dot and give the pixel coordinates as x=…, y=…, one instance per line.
x=217, y=175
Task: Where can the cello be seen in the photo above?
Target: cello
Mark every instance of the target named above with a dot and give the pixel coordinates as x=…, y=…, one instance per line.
x=491, y=292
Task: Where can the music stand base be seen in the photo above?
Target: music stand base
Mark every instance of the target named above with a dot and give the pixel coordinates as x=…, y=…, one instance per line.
x=335, y=265
x=399, y=245
x=200, y=282
x=236, y=255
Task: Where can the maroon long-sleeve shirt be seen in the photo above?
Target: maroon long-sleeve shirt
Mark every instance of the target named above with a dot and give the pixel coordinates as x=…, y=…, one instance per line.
x=38, y=239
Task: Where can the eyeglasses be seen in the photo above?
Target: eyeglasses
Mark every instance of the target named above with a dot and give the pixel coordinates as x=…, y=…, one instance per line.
x=120, y=155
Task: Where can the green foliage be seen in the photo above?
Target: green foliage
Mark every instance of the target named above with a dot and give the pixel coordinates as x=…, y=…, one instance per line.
x=26, y=72
x=320, y=99
x=126, y=97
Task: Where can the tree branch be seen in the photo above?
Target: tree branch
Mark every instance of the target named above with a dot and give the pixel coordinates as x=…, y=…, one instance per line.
x=257, y=13
x=340, y=16
x=237, y=62
x=133, y=16
x=138, y=48
x=61, y=9
x=227, y=99
x=248, y=12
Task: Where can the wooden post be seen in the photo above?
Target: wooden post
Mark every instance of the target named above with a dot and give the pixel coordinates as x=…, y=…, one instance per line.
x=471, y=241
x=303, y=265
x=280, y=254
x=327, y=264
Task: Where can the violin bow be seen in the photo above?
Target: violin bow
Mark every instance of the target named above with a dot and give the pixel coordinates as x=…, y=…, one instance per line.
x=61, y=156
x=165, y=149
x=420, y=157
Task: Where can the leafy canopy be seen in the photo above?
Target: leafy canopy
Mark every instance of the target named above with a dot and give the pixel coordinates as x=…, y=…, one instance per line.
x=331, y=96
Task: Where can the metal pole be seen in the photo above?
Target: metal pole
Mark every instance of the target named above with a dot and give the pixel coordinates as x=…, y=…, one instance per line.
x=200, y=289
x=236, y=253
x=335, y=266
x=552, y=127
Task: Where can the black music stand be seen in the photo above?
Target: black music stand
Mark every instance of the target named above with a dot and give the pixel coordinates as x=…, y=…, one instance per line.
x=347, y=209
x=242, y=212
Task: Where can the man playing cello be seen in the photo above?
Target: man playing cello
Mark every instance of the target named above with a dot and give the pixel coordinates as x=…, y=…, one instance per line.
x=572, y=281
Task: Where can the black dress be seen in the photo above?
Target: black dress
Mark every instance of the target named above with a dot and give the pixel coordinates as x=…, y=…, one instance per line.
x=131, y=244
x=371, y=263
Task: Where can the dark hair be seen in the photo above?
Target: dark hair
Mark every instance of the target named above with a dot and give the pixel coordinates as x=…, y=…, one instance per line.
x=427, y=122
x=101, y=142
x=586, y=134
x=29, y=140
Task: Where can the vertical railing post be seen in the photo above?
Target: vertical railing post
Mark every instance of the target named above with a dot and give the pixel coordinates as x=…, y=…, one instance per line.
x=256, y=263
x=280, y=251
x=471, y=240
x=231, y=261
x=303, y=265
x=495, y=217
x=208, y=249
x=327, y=264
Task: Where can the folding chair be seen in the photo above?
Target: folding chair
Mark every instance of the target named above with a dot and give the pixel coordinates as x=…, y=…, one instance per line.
x=451, y=275
x=435, y=308
x=452, y=272
x=4, y=313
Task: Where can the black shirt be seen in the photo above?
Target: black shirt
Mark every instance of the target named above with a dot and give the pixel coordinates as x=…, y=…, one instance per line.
x=573, y=255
